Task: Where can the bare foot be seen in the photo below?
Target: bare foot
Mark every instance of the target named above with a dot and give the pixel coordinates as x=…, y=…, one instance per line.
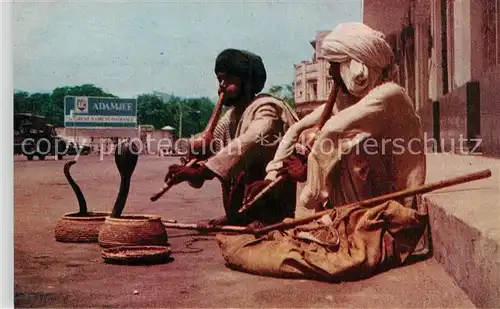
x=256, y=225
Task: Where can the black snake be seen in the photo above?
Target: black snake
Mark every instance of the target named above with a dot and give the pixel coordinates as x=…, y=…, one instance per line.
x=82, y=204
x=126, y=155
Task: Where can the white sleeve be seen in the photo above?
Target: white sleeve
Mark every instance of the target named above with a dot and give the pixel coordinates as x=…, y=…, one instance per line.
x=287, y=144
x=340, y=134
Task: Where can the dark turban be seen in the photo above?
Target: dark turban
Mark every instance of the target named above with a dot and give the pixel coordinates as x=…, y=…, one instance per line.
x=244, y=65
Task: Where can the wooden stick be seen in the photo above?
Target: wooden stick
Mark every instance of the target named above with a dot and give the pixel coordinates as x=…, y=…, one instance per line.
x=207, y=135
x=212, y=122
x=381, y=199
x=327, y=112
x=325, y=115
x=193, y=226
x=169, y=221
x=168, y=184
x=271, y=185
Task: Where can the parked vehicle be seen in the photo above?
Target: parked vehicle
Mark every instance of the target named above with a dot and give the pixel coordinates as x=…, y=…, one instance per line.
x=33, y=136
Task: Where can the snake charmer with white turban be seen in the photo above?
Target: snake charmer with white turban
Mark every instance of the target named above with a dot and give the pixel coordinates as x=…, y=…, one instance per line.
x=363, y=55
x=339, y=170
x=352, y=240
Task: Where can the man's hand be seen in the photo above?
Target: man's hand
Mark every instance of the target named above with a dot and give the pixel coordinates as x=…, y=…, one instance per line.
x=254, y=188
x=196, y=175
x=196, y=185
x=295, y=167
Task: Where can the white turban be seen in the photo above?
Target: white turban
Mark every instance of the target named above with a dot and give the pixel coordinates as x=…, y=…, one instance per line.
x=363, y=53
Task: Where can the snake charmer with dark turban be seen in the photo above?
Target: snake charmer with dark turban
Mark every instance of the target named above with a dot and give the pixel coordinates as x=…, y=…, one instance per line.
x=246, y=139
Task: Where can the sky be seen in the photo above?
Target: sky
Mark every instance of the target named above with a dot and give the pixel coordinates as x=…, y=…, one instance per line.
x=129, y=48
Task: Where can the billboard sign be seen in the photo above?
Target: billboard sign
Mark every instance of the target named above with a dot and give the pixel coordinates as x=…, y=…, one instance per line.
x=99, y=112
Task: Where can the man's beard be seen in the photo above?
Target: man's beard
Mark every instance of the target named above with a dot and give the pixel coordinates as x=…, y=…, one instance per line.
x=229, y=102
x=342, y=85
x=233, y=101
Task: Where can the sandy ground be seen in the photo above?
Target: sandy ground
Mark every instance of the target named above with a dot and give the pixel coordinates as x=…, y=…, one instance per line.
x=52, y=274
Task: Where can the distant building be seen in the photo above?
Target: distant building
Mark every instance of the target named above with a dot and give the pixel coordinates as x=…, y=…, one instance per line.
x=312, y=81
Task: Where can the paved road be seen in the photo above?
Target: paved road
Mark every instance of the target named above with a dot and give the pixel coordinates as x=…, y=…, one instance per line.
x=52, y=274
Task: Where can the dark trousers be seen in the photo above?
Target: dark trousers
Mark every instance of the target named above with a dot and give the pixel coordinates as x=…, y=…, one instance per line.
x=272, y=207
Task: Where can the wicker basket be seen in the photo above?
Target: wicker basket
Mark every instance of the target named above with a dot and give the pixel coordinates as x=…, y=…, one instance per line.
x=132, y=230
x=72, y=227
x=137, y=255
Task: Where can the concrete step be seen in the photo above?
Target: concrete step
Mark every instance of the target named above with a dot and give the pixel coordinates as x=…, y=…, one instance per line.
x=465, y=225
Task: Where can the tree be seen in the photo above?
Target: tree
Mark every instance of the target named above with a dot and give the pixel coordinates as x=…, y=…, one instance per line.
x=57, y=99
x=154, y=109
x=285, y=92
x=21, y=101
x=196, y=113
x=41, y=103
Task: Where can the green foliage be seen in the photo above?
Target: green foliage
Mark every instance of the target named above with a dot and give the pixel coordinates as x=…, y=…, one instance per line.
x=153, y=109
x=51, y=105
x=285, y=92
x=56, y=110
x=22, y=102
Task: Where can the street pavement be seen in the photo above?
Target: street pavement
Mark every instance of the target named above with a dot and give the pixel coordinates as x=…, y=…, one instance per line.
x=52, y=274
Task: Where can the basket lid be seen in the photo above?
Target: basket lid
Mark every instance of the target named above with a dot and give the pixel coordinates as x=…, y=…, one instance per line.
x=137, y=254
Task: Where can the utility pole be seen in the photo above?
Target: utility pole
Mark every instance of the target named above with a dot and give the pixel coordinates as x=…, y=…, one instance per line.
x=72, y=116
x=180, y=120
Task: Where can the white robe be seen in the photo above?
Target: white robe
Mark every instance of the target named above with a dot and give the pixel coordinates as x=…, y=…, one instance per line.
x=385, y=115
x=259, y=130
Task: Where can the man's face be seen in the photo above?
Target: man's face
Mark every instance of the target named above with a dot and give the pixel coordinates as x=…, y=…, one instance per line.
x=230, y=85
x=334, y=72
